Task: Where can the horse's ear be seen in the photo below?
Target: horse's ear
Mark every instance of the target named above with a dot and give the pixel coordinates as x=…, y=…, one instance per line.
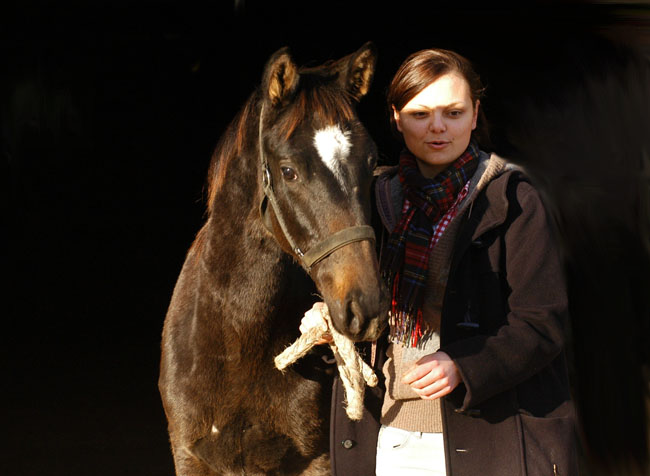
x=358, y=70
x=280, y=77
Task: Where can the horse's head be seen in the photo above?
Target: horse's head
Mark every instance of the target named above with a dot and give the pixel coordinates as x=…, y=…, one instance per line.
x=317, y=161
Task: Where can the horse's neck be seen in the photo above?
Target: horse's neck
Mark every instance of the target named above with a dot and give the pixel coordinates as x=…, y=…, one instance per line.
x=241, y=264
x=241, y=249
x=238, y=255
x=247, y=277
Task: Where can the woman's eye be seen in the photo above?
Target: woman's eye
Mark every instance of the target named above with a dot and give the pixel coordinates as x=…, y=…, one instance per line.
x=289, y=174
x=455, y=113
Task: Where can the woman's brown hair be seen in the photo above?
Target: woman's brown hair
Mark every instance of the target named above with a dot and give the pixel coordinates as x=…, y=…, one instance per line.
x=422, y=68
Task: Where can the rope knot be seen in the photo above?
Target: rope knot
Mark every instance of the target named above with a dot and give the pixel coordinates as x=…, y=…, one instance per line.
x=354, y=372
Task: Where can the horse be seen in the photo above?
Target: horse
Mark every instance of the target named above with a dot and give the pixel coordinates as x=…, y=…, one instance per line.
x=288, y=215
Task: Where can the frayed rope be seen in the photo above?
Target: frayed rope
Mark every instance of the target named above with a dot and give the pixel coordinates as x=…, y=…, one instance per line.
x=354, y=372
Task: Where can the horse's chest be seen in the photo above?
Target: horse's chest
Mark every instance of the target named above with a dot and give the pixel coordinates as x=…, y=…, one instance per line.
x=242, y=448
x=256, y=431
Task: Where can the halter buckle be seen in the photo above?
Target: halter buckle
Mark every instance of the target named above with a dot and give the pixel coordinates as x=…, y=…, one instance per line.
x=266, y=178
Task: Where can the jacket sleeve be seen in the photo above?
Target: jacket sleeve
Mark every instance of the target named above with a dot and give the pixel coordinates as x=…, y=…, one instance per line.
x=533, y=332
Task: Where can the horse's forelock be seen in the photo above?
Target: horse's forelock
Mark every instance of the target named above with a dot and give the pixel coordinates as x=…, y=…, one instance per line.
x=329, y=105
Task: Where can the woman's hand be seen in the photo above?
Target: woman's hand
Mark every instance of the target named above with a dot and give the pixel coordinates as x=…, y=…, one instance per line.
x=314, y=317
x=433, y=376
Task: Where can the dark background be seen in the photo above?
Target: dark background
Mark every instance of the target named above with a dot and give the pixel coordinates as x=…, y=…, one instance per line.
x=110, y=113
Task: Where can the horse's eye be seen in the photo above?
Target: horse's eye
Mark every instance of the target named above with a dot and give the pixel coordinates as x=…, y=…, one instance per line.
x=289, y=174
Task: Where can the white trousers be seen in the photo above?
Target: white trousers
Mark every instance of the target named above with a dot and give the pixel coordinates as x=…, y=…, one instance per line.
x=409, y=453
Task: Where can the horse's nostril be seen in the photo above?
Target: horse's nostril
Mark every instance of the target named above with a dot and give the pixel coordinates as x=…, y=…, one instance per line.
x=355, y=317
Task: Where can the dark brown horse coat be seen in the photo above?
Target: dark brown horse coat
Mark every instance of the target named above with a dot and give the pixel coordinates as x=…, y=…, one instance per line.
x=241, y=293
x=512, y=415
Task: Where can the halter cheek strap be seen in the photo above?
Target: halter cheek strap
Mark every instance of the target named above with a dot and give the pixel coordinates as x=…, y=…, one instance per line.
x=322, y=249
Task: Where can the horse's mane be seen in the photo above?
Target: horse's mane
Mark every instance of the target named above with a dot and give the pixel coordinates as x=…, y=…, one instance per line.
x=317, y=96
x=230, y=145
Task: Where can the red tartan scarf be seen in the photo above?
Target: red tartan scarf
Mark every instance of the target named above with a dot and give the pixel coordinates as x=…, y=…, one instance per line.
x=405, y=262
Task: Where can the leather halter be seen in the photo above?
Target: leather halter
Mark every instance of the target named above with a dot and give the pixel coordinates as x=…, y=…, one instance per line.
x=322, y=249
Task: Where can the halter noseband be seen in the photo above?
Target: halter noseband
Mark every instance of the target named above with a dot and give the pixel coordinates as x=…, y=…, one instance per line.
x=322, y=249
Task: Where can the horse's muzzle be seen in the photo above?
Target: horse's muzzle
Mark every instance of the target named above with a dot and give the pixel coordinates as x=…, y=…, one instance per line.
x=363, y=322
x=349, y=282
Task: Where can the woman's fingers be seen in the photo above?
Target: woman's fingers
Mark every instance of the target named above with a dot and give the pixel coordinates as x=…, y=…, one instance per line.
x=437, y=389
x=427, y=380
x=422, y=369
x=433, y=376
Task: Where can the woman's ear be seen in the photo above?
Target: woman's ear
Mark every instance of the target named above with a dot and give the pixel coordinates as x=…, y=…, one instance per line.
x=396, y=117
x=475, y=118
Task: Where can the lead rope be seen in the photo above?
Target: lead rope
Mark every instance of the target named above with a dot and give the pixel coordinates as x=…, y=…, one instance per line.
x=354, y=372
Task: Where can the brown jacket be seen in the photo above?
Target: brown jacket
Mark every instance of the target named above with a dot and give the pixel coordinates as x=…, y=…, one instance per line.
x=503, y=322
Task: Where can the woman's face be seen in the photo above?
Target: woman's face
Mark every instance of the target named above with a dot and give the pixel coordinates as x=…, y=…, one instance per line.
x=437, y=123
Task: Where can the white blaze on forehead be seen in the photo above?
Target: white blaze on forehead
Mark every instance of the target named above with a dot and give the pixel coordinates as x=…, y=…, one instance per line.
x=333, y=146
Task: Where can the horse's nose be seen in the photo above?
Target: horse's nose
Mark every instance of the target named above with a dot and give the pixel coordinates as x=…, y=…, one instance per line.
x=363, y=315
x=356, y=317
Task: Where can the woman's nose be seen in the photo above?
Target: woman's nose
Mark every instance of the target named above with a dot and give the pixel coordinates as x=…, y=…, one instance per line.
x=437, y=124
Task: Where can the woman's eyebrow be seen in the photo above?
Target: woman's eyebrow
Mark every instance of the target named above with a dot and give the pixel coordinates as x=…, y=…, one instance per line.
x=455, y=104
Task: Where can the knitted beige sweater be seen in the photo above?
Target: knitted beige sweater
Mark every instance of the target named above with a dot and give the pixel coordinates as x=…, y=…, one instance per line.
x=402, y=407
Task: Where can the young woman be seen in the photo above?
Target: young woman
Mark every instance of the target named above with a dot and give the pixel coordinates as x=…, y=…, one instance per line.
x=472, y=370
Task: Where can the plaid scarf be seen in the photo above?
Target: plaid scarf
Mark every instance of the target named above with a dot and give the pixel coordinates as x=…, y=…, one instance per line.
x=406, y=260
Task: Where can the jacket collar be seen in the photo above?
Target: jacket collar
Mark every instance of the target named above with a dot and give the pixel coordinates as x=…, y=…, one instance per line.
x=492, y=170
x=494, y=185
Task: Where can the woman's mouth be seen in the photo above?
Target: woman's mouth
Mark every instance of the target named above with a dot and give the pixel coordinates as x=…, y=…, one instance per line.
x=438, y=144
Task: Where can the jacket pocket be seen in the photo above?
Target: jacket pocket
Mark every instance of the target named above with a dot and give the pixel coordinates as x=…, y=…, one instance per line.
x=549, y=445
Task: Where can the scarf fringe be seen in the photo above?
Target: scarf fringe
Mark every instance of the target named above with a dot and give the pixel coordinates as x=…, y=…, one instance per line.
x=410, y=243
x=405, y=329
